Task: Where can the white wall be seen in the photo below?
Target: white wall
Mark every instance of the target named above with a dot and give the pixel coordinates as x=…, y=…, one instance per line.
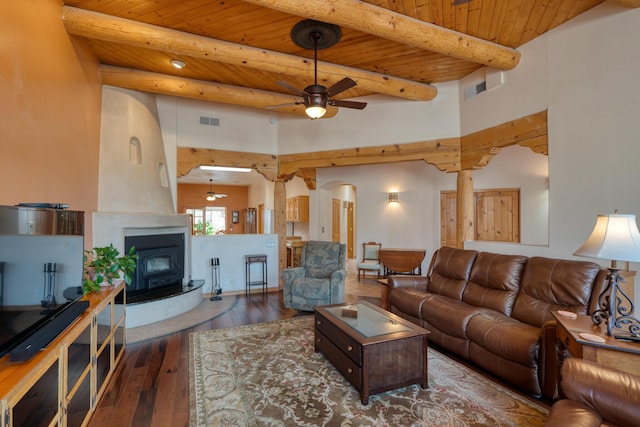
x=412, y=223
x=125, y=185
x=518, y=167
x=231, y=249
x=593, y=99
x=388, y=121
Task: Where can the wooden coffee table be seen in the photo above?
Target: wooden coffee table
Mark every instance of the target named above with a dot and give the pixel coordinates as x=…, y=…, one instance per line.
x=374, y=349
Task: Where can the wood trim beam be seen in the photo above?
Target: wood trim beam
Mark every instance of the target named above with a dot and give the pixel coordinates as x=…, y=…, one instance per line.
x=309, y=177
x=391, y=25
x=100, y=26
x=477, y=149
x=630, y=3
x=465, y=208
x=280, y=226
x=165, y=84
x=442, y=153
x=189, y=158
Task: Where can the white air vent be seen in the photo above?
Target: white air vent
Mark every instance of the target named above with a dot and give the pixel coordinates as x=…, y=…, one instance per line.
x=471, y=91
x=211, y=121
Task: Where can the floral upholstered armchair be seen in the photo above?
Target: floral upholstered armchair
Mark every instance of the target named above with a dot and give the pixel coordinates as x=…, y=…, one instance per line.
x=320, y=278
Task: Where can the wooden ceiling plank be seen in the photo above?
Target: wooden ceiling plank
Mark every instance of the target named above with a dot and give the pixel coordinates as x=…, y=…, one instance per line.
x=473, y=21
x=486, y=18
x=529, y=30
x=497, y=20
x=510, y=19
x=422, y=10
x=100, y=26
x=461, y=17
x=525, y=10
x=393, y=26
x=547, y=17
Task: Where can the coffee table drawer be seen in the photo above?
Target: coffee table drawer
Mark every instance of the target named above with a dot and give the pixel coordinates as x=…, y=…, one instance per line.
x=344, y=364
x=345, y=343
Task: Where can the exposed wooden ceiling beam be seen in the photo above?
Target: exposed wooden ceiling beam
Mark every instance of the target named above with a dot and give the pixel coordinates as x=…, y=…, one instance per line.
x=630, y=3
x=165, y=84
x=108, y=28
x=390, y=25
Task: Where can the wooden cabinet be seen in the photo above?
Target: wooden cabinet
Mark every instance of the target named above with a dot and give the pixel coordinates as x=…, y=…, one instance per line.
x=298, y=209
x=62, y=384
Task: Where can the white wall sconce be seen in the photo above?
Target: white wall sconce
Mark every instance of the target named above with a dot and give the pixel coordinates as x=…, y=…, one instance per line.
x=393, y=197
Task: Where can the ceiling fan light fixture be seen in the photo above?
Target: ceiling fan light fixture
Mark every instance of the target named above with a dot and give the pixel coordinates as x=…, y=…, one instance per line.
x=316, y=105
x=211, y=197
x=315, y=111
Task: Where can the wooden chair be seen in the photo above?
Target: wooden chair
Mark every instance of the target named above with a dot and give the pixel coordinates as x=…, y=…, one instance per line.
x=370, y=259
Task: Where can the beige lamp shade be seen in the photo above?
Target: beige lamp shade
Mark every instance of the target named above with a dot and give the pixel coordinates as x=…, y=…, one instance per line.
x=615, y=237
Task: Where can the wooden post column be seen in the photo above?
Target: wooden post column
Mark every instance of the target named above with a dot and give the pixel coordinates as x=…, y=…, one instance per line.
x=280, y=224
x=465, y=208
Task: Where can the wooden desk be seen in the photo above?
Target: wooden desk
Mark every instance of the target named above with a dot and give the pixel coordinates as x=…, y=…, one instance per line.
x=613, y=353
x=401, y=261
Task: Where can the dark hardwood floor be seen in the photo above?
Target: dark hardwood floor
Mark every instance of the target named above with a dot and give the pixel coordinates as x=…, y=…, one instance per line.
x=151, y=385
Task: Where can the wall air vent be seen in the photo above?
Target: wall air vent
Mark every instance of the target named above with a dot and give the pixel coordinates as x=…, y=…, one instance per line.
x=471, y=91
x=211, y=121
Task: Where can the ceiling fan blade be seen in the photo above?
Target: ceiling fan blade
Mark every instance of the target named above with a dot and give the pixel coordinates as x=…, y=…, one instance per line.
x=341, y=86
x=347, y=104
x=289, y=104
x=291, y=88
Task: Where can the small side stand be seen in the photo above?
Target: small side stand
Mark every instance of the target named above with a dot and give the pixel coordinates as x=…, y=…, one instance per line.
x=216, y=290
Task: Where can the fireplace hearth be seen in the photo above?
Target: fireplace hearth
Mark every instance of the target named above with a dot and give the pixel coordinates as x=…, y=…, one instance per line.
x=160, y=266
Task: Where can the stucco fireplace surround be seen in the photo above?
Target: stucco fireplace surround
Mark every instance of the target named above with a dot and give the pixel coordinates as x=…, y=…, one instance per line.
x=114, y=227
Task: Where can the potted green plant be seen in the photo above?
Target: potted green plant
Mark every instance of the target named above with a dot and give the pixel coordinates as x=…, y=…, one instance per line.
x=102, y=265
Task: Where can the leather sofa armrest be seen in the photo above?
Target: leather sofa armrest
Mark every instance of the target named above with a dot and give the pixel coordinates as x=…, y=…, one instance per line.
x=611, y=393
x=418, y=282
x=575, y=414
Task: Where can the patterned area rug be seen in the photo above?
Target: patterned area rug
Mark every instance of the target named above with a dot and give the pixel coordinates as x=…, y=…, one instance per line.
x=269, y=375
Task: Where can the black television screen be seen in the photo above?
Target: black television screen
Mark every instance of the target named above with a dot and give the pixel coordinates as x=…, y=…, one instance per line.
x=41, y=265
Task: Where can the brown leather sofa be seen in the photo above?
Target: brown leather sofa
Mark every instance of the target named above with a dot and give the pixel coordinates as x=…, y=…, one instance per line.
x=595, y=395
x=495, y=310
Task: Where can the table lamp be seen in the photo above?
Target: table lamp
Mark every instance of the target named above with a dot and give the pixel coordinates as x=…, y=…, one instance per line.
x=615, y=237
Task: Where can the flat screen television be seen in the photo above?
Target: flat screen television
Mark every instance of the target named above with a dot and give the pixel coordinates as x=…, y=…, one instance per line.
x=41, y=266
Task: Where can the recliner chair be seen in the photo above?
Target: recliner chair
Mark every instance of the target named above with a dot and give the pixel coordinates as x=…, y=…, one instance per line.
x=595, y=396
x=319, y=280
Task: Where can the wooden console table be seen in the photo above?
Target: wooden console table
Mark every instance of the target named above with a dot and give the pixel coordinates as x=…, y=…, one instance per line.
x=401, y=261
x=62, y=384
x=614, y=353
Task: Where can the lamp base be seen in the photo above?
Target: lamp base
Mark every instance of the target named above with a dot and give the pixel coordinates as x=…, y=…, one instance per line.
x=627, y=337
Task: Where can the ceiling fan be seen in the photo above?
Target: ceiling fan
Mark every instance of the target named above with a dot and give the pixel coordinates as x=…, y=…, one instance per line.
x=212, y=195
x=310, y=34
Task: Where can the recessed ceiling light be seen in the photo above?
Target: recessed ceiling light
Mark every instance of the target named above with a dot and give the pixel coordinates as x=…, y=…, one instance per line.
x=178, y=64
x=224, y=168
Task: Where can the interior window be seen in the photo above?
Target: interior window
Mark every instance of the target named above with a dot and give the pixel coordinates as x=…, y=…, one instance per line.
x=207, y=220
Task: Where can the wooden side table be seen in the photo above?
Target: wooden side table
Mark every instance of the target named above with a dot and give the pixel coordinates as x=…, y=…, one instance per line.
x=614, y=353
x=384, y=293
x=252, y=259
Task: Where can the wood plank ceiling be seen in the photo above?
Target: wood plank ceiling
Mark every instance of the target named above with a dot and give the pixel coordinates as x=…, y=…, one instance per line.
x=235, y=51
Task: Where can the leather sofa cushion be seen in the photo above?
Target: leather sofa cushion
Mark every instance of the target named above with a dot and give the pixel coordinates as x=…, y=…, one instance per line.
x=409, y=300
x=449, y=316
x=551, y=284
x=494, y=281
x=450, y=272
x=504, y=336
